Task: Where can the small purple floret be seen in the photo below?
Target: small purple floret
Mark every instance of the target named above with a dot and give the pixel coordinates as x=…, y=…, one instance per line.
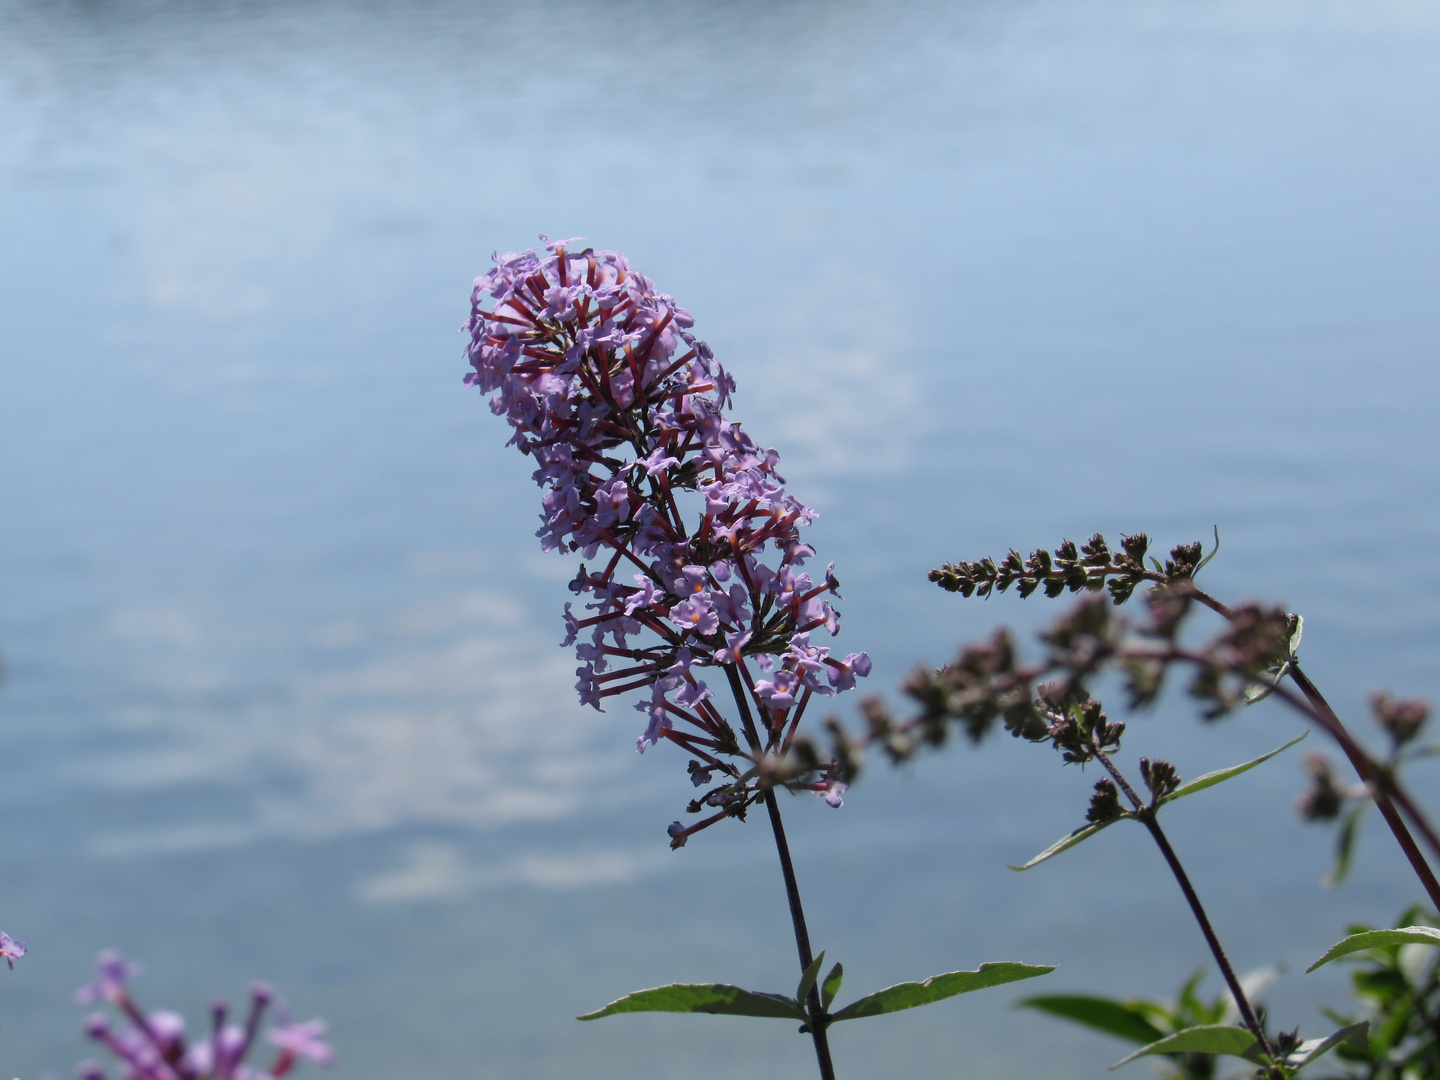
x=112, y=973
x=11, y=949
x=303, y=1040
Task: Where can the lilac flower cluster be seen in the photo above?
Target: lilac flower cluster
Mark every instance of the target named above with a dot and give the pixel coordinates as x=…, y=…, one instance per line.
x=152, y=1046
x=623, y=411
x=10, y=949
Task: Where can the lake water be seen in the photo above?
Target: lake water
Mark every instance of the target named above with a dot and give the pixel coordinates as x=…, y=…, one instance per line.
x=283, y=697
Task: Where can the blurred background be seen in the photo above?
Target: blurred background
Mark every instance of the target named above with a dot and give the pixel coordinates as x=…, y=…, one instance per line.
x=284, y=698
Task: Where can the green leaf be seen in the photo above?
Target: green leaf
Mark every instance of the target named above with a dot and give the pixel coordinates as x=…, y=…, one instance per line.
x=1357, y=1035
x=1259, y=691
x=1102, y=1014
x=831, y=986
x=1065, y=843
x=1207, y=1039
x=1416, y=752
x=1265, y=686
x=1213, y=552
x=703, y=998
x=807, y=980
x=1375, y=939
x=1188, y=1004
x=937, y=988
x=1200, y=783
x=1345, y=844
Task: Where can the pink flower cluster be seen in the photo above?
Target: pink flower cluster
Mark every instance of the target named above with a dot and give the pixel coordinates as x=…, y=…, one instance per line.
x=623, y=411
x=152, y=1046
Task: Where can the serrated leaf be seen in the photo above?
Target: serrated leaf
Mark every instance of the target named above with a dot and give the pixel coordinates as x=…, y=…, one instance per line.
x=1206, y=1039
x=1375, y=939
x=1065, y=843
x=703, y=998
x=936, y=988
x=1357, y=1035
x=831, y=986
x=1101, y=1014
x=807, y=980
x=1200, y=783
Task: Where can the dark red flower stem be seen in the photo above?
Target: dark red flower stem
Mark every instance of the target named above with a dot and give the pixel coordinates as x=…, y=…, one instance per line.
x=1380, y=782
x=747, y=719
x=802, y=938
x=1216, y=949
x=1389, y=796
x=792, y=887
x=1381, y=777
x=1146, y=816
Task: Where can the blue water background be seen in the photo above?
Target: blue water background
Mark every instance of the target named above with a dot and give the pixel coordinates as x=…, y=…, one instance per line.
x=283, y=693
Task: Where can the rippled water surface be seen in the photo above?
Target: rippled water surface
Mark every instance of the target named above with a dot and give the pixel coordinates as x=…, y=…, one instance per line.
x=283, y=694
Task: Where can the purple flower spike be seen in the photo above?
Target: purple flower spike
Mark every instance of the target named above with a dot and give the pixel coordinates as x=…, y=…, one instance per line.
x=153, y=1046
x=623, y=412
x=11, y=949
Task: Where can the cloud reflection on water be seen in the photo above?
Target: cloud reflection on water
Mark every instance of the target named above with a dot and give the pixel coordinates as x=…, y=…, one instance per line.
x=457, y=711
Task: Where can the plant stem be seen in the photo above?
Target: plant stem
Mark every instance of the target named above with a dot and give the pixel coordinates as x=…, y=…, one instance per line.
x=1384, y=788
x=1216, y=949
x=1381, y=784
x=1146, y=815
x=747, y=720
x=792, y=887
x=1199, y=594
x=802, y=938
x=1381, y=779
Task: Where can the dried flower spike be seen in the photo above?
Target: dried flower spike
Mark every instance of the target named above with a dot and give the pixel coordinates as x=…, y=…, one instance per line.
x=1325, y=797
x=1401, y=719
